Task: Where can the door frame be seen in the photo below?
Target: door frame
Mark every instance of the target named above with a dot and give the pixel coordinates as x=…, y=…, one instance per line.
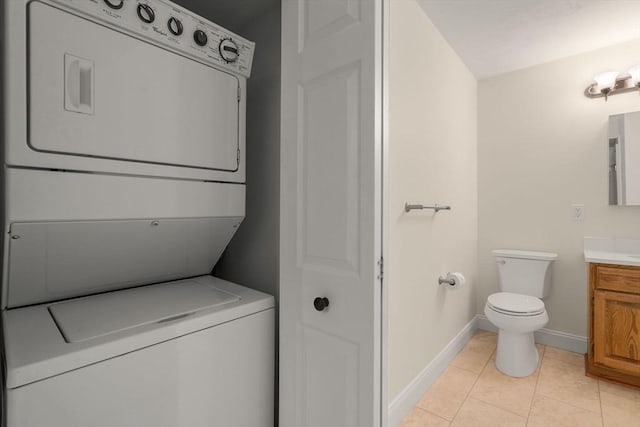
x=384, y=285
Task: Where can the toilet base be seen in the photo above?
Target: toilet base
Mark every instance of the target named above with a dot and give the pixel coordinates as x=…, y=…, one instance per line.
x=517, y=355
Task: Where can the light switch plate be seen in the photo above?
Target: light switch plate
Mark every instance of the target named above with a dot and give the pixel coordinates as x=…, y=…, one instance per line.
x=577, y=212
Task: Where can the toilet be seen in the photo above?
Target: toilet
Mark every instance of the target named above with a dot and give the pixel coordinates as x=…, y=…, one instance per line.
x=518, y=311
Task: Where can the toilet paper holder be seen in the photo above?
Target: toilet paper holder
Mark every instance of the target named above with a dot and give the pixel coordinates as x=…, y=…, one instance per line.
x=453, y=280
x=448, y=280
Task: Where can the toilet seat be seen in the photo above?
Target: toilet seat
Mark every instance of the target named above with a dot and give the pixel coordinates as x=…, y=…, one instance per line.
x=515, y=304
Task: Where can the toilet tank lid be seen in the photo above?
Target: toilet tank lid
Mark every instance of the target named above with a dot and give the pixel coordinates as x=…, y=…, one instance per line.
x=516, y=253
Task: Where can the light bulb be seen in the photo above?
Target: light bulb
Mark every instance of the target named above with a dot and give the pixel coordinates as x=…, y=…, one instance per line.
x=606, y=80
x=634, y=72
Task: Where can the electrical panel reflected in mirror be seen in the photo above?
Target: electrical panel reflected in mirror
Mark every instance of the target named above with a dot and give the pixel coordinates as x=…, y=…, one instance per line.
x=624, y=159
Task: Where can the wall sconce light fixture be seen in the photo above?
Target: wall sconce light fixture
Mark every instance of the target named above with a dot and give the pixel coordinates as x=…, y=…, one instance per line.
x=612, y=83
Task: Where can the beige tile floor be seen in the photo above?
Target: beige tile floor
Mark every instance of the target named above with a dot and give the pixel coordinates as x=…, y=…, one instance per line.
x=472, y=392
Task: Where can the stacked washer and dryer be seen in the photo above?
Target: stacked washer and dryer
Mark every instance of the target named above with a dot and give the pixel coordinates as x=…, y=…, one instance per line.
x=124, y=180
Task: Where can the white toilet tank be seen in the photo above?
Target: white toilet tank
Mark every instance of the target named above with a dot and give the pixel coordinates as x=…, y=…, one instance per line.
x=525, y=272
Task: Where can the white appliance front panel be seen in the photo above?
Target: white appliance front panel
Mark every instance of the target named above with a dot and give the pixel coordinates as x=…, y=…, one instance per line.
x=172, y=27
x=221, y=376
x=96, y=92
x=55, y=196
x=52, y=261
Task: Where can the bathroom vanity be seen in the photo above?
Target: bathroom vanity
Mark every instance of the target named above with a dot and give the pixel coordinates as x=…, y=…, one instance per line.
x=614, y=310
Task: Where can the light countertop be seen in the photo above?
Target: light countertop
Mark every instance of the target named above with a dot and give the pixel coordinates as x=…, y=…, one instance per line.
x=612, y=251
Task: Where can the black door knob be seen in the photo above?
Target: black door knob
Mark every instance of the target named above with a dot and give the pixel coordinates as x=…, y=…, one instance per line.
x=321, y=304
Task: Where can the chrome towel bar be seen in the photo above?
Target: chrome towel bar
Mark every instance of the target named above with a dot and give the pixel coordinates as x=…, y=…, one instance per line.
x=436, y=207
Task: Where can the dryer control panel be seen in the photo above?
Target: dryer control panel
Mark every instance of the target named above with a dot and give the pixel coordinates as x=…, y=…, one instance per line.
x=172, y=26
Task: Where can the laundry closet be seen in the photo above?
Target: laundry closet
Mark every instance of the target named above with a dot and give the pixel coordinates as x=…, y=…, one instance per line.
x=176, y=174
x=125, y=141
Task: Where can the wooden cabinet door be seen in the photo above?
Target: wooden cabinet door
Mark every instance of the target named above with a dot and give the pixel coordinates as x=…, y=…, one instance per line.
x=616, y=329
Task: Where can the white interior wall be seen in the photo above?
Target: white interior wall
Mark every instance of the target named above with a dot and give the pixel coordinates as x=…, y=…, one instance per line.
x=251, y=259
x=543, y=146
x=632, y=158
x=432, y=159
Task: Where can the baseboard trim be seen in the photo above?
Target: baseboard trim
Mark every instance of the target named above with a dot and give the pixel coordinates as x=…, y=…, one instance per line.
x=407, y=399
x=563, y=340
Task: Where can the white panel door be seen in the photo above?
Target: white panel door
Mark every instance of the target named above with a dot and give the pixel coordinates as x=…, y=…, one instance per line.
x=330, y=213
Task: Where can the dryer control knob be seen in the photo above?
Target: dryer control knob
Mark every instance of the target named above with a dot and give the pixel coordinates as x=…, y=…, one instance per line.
x=146, y=13
x=114, y=4
x=228, y=50
x=175, y=26
x=200, y=37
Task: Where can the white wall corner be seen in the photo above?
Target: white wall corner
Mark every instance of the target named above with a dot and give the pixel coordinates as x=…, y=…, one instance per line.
x=407, y=399
x=558, y=339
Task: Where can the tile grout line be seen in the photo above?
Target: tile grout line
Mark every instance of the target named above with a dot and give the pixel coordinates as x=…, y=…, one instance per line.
x=436, y=415
x=466, y=397
x=468, y=370
x=495, y=406
x=571, y=402
x=600, y=401
x=428, y=412
x=502, y=409
x=535, y=388
x=451, y=364
x=526, y=419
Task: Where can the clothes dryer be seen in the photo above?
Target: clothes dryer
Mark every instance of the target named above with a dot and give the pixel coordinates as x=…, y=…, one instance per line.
x=127, y=87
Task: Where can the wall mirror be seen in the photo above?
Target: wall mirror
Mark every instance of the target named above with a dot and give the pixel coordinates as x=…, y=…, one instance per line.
x=624, y=159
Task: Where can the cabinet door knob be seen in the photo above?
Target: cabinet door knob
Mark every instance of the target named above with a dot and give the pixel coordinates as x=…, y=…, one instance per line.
x=321, y=303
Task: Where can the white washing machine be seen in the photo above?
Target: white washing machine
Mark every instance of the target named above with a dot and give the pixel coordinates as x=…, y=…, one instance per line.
x=124, y=180
x=189, y=353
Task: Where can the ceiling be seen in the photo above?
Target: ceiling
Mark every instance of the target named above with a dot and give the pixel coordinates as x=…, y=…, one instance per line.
x=231, y=14
x=497, y=36
x=491, y=36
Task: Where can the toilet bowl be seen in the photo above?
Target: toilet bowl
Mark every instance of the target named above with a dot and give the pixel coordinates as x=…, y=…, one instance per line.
x=517, y=317
x=518, y=311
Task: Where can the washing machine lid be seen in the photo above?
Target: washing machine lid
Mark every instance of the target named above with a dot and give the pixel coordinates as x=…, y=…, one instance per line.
x=35, y=349
x=516, y=304
x=98, y=315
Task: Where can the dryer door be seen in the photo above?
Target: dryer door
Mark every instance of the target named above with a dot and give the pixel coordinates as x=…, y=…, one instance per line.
x=97, y=92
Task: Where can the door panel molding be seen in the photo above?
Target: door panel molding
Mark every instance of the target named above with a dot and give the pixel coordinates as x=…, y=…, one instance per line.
x=329, y=236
